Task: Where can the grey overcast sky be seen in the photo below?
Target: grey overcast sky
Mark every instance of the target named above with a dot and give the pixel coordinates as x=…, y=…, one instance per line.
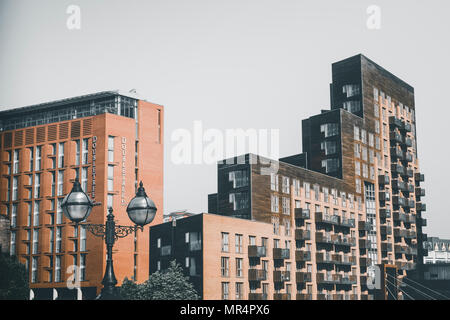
x=232, y=64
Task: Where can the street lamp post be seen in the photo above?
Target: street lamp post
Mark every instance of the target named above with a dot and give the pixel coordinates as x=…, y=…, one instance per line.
x=141, y=210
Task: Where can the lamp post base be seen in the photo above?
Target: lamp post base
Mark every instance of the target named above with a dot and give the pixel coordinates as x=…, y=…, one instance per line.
x=105, y=295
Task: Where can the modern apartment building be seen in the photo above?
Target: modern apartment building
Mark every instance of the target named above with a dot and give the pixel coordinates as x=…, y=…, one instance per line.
x=109, y=141
x=353, y=199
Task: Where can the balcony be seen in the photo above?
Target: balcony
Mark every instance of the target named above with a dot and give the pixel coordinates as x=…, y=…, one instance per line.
x=303, y=276
x=407, y=142
x=385, y=213
x=406, y=127
x=408, y=173
x=410, y=234
x=324, y=257
x=395, y=122
x=364, y=262
x=323, y=278
x=396, y=153
x=420, y=192
x=281, y=276
x=396, y=137
x=256, y=251
x=302, y=234
x=398, y=232
x=399, y=217
x=385, y=230
x=386, y=246
x=343, y=240
x=410, y=203
x=398, y=185
x=281, y=296
x=345, y=260
x=407, y=157
x=304, y=296
x=323, y=237
x=410, y=218
x=422, y=221
x=364, y=244
x=348, y=280
x=325, y=218
x=257, y=296
x=419, y=177
x=397, y=169
x=301, y=213
x=350, y=223
x=301, y=255
x=364, y=226
x=383, y=196
x=409, y=188
x=421, y=207
x=281, y=254
x=400, y=249
x=383, y=179
x=257, y=275
x=399, y=201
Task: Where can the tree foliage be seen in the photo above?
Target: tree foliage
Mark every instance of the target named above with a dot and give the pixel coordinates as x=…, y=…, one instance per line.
x=170, y=284
x=13, y=279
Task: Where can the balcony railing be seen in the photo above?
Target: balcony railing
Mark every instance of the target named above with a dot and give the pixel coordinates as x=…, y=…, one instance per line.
x=386, y=246
x=364, y=244
x=421, y=207
x=302, y=255
x=301, y=213
x=323, y=237
x=281, y=254
x=303, y=276
x=281, y=276
x=397, y=169
x=281, y=296
x=324, y=257
x=257, y=275
x=256, y=251
x=420, y=192
x=327, y=278
x=345, y=222
x=383, y=179
x=302, y=234
x=365, y=262
x=326, y=218
x=385, y=213
x=348, y=279
x=386, y=230
x=257, y=296
x=364, y=226
x=419, y=177
x=396, y=137
x=304, y=296
x=399, y=201
x=396, y=153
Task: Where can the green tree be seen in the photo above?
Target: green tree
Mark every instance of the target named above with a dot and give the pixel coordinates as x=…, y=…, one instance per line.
x=170, y=284
x=13, y=279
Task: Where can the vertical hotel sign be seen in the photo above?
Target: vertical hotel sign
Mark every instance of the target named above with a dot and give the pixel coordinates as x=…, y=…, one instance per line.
x=94, y=155
x=123, y=170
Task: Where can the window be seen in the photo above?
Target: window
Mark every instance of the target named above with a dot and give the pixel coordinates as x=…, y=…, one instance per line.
x=306, y=186
x=358, y=185
x=37, y=185
x=240, y=200
x=343, y=199
x=239, y=178
x=31, y=149
x=286, y=206
x=276, y=225
x=225, y=293
x=84, y=181
x=329, y=129
x=13, y=215
x=34, y=269
x=225, y=266
x=274, y=203
x=352, y=106
x=110, y=148
x=252, y=240
x=53, y=186
x=285, y=185
x=15, y=188
x=377, y=126
x=316, y=188
x=365, y=171
x=325, y=194
x=377, y=143
x=239, y=286
x=330, y=165
x=372, y=172
x=110, y=178
x=329, y=147
x=239, y=266
x=36, y=213
x=238, y=243
x=296, y=184
x=85, y=151
x=358, y=168
x=58, y=239
x=159, y=126
x=376, y=110
x=16, y=162
x=12, y=243
x=60, y=183
x=82, y=267
x=77, y=152
x=82, y=238
x=59, y=212
x=371, y=140
x=364, y=153
x=225, y=242
x=351, y=90
x=35, y=245
x=274, y=182
x=61, y=155
x=58, y=269
x=287, y=227
x=371, y=156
